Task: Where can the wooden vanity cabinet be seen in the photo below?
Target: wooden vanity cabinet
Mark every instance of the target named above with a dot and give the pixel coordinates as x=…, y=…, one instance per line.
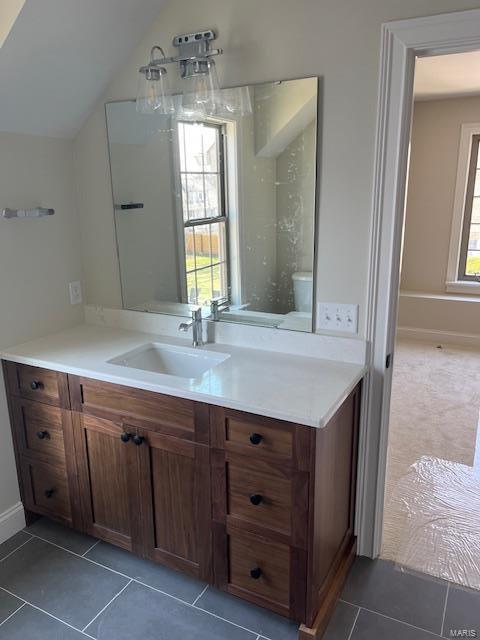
x=107, y=476
x=144, y=472
x=261, y=508
x=283, y=510
x=42, y=432
x=174, y=482
x=40, y=385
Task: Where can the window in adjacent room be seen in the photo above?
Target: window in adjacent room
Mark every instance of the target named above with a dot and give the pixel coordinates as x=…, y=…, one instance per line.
x=463, y=271
x=469, y=263
x=202, y=178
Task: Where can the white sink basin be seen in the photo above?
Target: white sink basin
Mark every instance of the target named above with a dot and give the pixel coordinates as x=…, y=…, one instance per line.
x=182, y=362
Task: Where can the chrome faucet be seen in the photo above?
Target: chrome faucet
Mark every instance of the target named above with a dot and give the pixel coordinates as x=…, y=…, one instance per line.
x=196, y=324
x=217, y=305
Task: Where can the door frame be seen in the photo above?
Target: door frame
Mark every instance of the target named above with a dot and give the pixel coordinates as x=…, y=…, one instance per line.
x=402, y=41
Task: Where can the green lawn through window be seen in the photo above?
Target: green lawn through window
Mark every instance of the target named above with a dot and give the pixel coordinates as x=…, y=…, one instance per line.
x=473, y=265
x=204, y=281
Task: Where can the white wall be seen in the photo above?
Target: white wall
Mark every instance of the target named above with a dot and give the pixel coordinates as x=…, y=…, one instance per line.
x=39, y=257
x=141, y=157
x=295, y=171
x=268, y=40
x=257, y=221
x=431, y=189
x=147, y=238
x=446, y=314
x=277, y=192
x=101, y=275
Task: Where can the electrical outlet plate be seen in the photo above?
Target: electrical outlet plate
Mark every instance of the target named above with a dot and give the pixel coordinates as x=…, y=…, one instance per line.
x=332, y=316
x=75, y=289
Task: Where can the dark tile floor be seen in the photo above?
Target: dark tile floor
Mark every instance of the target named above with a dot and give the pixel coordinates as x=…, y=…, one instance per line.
x=56, y=584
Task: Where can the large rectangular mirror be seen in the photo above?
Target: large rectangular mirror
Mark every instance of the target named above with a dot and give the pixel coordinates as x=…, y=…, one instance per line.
x=219, y=211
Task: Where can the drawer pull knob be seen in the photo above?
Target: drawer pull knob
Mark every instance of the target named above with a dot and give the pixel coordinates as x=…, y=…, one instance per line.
x=41, y=435
x=35, y=385
x=138, y=440
x=125, y=437
x=49, y=493
x=255, y=438
x=256, y=499
x=256, y=573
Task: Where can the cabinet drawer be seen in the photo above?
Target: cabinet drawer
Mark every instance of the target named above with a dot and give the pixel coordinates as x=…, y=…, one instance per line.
x=171, y=415
x=39, y=429
x=257, y=438
x=261, y=497
x=259, y=567
x=39, y=384
x=46, y=489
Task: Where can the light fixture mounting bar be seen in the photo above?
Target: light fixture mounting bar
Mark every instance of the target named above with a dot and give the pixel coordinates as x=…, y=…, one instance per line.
x=193, y=47
x=194, y=43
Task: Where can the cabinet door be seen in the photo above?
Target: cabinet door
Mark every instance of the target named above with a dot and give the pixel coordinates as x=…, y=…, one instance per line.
x=107, y=474
x=175, y=498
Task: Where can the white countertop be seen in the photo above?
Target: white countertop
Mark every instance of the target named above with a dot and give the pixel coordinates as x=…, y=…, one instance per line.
x=298, y=389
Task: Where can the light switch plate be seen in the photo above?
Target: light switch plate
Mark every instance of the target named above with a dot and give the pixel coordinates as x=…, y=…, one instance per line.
x=333, y=316
x=75, y=289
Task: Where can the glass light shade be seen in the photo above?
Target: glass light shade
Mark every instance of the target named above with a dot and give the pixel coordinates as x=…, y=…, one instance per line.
x=153, y=95
x=236, y=101
x=201, y=94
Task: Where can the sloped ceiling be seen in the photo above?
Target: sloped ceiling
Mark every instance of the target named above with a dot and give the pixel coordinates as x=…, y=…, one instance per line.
x=9, y=10
x=59, y=58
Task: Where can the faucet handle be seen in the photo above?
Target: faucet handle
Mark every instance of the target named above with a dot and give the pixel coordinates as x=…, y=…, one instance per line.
x=196, y=313
x=220, y=300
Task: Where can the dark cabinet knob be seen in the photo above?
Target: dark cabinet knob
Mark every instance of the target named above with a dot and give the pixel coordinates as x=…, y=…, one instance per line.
x=34, y=385
x=255, y=438
x=256, y=573
x=125, y=437
x=256, y=499
x=41, y=435
x=49, y=493
x=138, y=439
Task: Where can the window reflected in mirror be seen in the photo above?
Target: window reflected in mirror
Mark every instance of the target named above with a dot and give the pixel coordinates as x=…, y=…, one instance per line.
x=204, y=211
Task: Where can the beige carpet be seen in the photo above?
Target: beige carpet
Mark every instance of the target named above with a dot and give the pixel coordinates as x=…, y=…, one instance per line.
x=432, y=508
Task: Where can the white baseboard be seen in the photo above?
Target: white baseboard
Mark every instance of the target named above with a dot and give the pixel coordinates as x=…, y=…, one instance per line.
x=11, y=521
x=446, y=337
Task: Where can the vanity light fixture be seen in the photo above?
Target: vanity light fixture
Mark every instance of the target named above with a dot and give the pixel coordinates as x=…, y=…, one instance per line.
x=153, y=91
x=201, y=94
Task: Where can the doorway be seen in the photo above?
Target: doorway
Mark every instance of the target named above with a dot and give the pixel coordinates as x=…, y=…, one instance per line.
x=432, y=494
x=402, y=43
